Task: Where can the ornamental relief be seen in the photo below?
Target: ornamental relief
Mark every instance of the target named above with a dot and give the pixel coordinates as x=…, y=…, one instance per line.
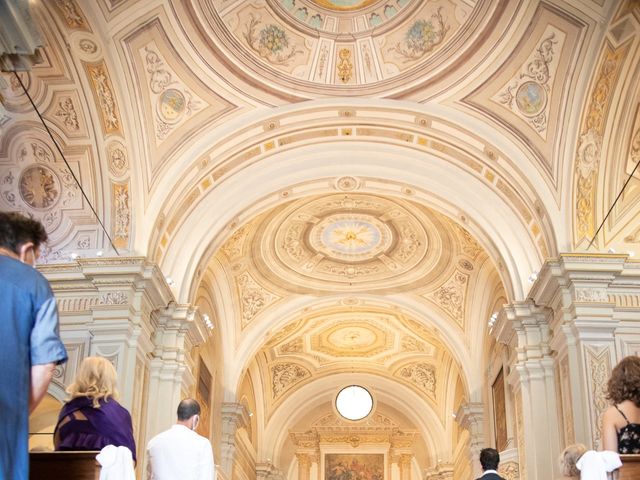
x=121, y=214
x=118, y=160
x=528, y=95
x=232, y=248
x=423, y=375
x=598, y=368
x=451, y=296
x=174, y=102
x=104, y=96
x=72, y=14
x=253, y=297
x=509, y=471
x=286, y=375
x=35, y=183
x=353, y=238
x=588, y=151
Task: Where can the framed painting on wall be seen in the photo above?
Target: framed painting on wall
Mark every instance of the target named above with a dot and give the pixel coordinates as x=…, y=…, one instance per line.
x=361, y=466
x=203, y=396
x=500, y=412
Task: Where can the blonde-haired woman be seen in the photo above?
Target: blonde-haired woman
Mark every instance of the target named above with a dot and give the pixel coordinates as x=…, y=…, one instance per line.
x=568, y=459
x=92, y=418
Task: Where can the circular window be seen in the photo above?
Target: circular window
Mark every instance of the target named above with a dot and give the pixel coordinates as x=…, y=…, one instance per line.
x=354, y=402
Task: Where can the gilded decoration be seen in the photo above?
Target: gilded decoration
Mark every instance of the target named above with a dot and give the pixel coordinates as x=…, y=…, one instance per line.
x=351, y=239
x=286, y=375
x=528, y=94
x=318, y=45
x=253, y=297
x=598, y=368
x=105, y=98
x=451, y=296
x=343, y=5
x=590, y=143
x=73, y=16
x=422, y=375
x=344, y=66
x=509, y=471
x=121, y=214
x=352, y=339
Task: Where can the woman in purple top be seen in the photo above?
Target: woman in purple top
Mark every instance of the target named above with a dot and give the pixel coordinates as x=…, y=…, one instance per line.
x=93, y=419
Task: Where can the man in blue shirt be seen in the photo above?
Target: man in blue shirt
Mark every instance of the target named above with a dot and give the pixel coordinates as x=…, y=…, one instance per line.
x=31, y=346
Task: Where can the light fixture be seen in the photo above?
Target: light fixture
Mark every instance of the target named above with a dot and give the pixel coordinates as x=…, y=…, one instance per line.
x=99, y=253
x=170, y=281
x=533, y=277
x=74, y=256
x=354, y=402
x=631, y=253
x=611, y=250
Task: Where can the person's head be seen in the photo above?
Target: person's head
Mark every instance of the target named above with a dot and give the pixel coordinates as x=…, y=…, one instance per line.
x=569, y=457
x=96, y=379
x=489, y=459
x=21, y=237
x=189, y=413
x=624, y=383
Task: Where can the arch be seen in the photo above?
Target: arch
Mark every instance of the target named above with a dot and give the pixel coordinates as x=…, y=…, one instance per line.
x=388, y=392
x=287, y=312
x=496, y=220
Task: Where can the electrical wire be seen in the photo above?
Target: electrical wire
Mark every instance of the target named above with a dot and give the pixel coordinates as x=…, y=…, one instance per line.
x=66, y=163
x=614, y=204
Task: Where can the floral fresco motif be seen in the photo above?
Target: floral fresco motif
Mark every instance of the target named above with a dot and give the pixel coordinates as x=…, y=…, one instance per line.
x=271, y=42
x=422, y=37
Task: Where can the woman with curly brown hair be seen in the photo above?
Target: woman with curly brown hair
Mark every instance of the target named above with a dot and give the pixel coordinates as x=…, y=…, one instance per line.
x=621, y=421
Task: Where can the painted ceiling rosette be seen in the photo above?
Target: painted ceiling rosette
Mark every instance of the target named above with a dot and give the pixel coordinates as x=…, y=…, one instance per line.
x=355, y=241
x=341, y=44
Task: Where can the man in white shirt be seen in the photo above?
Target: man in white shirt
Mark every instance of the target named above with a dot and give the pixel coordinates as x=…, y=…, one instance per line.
x=180, y=453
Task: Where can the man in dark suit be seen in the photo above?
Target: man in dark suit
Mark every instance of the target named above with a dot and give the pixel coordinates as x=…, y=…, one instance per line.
x=489, y=459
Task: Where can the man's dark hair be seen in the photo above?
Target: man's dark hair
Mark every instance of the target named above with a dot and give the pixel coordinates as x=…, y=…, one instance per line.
x=187, y=409
x=16, y=230
x=489, y=459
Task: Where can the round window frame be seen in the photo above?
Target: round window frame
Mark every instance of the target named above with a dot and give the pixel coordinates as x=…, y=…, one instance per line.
x=341, y=415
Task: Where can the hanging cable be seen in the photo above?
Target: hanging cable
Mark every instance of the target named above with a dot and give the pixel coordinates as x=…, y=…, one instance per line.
x=66, y=163
x=614, y=204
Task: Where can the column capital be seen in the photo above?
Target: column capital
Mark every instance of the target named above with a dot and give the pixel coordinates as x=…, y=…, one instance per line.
x=470, y=416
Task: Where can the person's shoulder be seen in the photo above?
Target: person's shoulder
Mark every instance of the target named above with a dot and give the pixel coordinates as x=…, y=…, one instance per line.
x=20, y=273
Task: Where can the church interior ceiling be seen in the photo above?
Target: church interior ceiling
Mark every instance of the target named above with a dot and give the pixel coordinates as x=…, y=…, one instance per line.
x=342, y=185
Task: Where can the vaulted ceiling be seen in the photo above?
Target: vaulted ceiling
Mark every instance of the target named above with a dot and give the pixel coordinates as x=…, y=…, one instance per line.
x=344, y=186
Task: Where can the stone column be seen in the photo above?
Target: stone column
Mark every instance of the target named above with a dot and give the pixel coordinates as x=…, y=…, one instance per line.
x=525, y=328
x=470, y=416
x=175, y=332
x=304, y=465
x=591, y=296
x=122, y=308
x=404, y=462
x=234, y=416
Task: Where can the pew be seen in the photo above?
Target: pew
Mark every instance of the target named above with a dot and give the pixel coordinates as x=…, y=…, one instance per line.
x=64, y=465
x=630, y=469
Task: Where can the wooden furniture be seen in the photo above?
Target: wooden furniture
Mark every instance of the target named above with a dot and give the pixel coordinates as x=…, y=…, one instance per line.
x=64, y=465
x=630, y=469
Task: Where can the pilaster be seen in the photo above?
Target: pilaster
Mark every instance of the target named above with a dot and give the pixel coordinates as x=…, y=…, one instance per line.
x=470, y=416
x=591, y=296
x=234, y=416
x=524, y=326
